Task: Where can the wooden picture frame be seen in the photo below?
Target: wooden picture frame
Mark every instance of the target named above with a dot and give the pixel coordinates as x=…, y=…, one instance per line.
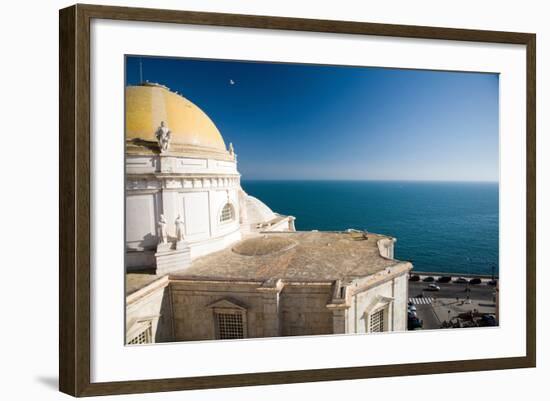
x=75, y=207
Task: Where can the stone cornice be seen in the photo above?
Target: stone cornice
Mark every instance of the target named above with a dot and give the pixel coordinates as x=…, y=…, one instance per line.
x=383, y=276
x=339, y=300
x=159, y=176
x=140, y=147
x=179, y=181
x=150, y=288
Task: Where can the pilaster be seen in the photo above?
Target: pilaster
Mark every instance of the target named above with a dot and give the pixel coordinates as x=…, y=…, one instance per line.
x=270, y=291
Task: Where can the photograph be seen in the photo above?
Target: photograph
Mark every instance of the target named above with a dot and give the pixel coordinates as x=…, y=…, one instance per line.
x=275, y=199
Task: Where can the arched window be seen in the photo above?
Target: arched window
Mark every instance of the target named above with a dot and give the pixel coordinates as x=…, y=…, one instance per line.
x=227, y=214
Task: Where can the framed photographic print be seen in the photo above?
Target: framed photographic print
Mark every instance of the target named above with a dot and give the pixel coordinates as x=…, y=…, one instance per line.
x=250, y=200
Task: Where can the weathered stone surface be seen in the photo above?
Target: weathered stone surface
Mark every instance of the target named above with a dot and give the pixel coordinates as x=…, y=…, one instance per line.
x=300, y=255
x=173, y=259
x=293, y=283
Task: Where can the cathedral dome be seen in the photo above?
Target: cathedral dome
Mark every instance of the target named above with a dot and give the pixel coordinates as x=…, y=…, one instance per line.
x=148, y=105
x=257, y=211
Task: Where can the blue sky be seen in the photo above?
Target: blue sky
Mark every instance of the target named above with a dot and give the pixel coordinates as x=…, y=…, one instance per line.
x=295, y=121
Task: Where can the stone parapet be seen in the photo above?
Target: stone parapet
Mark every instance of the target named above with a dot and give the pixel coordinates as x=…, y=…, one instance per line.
x=171, y=260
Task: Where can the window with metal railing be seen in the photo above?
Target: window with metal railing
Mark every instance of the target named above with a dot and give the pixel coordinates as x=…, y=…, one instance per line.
x=230, y=326
x=143, y=337
x=376, y=321
x=227, y=214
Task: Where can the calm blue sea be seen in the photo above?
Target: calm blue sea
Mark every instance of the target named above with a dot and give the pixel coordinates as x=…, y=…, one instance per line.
x=439, y=226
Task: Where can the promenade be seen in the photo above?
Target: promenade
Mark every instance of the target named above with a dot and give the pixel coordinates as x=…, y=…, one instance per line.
x=453, y=300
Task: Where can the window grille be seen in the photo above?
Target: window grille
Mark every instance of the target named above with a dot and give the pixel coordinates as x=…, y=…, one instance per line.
x=142, y=338
x=230, y=326
x=227, y=213
x=377, y=321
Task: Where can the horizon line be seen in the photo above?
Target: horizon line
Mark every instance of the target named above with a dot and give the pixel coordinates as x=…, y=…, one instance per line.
x=369, y=179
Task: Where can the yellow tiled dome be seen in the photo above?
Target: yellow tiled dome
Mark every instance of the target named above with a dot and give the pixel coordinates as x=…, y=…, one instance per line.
x=148, y=105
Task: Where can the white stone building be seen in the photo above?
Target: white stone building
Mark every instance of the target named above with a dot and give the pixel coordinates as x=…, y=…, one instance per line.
x=204, y=260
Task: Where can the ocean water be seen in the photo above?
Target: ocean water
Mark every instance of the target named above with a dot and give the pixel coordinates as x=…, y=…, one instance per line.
x=440, y=226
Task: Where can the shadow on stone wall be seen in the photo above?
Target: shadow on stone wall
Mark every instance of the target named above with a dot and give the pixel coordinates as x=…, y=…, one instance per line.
x=165, y=332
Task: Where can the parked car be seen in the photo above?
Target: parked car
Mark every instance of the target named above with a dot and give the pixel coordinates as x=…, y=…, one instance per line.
x=434, y=287
x=411, y=314
x=412, y=307
x=461, y=280
x=428, y=279
x=444, y=279
x=492, y=282
x=414, y=323
x=414, y=278
x=487, y=321
x=475, y=281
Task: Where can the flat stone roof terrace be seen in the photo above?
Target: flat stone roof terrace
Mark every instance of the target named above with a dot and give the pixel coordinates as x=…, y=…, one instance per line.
x=294, y=256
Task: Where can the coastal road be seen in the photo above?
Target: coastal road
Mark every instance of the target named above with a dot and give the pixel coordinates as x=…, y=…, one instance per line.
x=427, y=315
x=481, y=292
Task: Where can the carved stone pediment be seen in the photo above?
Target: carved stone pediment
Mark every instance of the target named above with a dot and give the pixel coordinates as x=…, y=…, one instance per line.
x=227, y=303
x=379, y=301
